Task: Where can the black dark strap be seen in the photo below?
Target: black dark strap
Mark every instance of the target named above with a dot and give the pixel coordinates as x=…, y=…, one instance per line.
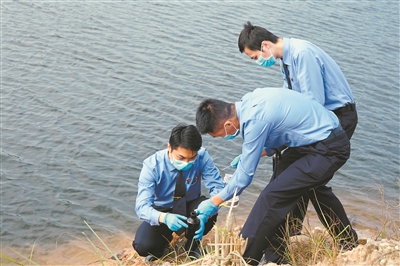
x=179, y=204
x=287, y=74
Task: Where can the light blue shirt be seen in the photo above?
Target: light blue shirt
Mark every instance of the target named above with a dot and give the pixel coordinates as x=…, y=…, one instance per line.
x=314, y=73
x=270, y=118
x=157, y=181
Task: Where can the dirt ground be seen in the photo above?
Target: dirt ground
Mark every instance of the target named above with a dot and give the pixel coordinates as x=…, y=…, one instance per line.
x=370, y=252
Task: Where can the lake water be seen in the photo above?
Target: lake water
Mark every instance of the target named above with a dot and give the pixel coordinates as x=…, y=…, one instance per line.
x=91, y=88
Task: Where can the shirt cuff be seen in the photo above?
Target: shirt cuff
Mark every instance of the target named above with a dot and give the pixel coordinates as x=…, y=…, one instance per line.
x=154, y=217
x=225, y=195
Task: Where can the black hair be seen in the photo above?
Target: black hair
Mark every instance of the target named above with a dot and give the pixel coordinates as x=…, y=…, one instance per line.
x=211, y=113
x=185, y=136
x=252, y=37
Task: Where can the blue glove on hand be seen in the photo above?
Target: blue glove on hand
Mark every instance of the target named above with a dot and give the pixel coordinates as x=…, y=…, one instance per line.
x=207, y=208
x=175, y=221
x=235, y=161
x=199, y=233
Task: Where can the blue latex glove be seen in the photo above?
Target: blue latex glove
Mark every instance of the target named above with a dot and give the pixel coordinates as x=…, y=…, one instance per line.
x=175, y=221
x=207, y=208
x=235, y=161
x=199, y=233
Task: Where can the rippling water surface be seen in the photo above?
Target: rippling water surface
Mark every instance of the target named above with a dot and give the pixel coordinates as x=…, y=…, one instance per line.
x=90, y=89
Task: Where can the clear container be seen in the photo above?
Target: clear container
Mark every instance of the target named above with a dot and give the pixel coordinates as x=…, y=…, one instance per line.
x=228, y=203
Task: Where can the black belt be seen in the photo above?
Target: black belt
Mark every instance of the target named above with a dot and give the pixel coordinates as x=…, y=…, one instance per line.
x=346, y=108
x=334, y=133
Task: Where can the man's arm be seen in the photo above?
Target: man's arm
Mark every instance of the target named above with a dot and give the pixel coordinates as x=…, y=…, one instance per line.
x=211, y=176
x=256, y=133
x=146, y=194
x=145, y=201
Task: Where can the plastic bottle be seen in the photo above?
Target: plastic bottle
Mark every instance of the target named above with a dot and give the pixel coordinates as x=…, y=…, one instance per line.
x=193, y=224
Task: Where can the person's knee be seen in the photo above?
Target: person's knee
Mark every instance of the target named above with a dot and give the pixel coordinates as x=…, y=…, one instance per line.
x=143, y=248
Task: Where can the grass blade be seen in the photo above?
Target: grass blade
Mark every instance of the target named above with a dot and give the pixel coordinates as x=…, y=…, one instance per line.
x=95, y=249
x=10, y=259
x=28, y=259
x=112, y=253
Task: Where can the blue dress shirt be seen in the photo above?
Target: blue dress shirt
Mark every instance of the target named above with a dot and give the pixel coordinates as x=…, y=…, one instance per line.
x=314, y=73
x=270, y=118
x=157, y=183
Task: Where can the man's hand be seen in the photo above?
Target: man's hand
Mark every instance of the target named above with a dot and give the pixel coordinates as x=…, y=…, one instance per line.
x=199, y=233
x=235, y=161
x=206, y=208
x=175, y=221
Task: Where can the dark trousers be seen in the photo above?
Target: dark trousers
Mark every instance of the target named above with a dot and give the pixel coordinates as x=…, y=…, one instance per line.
x=152, y=240
x=348, y=119
x=308, y=175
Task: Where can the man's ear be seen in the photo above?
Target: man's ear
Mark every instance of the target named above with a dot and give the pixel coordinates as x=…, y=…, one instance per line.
x=266, y=44
x=225, y=124
x=228, y=123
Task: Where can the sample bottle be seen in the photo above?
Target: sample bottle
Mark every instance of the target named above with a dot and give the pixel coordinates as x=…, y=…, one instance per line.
x=193, y=224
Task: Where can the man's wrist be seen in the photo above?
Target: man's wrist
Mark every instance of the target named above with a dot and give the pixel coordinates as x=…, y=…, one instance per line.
x=216, y=200
x=161, y=218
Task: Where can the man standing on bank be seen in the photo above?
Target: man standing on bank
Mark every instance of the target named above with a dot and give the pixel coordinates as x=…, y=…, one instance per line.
x=309, y=70
x=305, y=68
x=169, y=189
x=268, y=119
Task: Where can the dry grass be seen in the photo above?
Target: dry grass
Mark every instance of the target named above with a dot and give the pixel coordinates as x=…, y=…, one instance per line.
x=390, y=226
x=223, y=246
x=313, y=247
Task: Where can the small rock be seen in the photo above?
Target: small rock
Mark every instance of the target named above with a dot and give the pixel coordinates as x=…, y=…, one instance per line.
x=362, y=241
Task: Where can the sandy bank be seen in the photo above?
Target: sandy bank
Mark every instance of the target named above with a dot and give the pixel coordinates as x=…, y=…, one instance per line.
x=371, y=251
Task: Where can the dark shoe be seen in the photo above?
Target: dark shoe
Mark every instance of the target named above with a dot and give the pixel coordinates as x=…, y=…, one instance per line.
x=154, y=257
x=150, y=258
x=282, y=262
x=295, y=227
x=279, y=261
x=350, y=242
x=348, y=245
x=295, y=230
x=195, y=254
x=193, y=249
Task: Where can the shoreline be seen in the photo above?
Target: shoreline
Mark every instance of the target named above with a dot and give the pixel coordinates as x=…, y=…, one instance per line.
x=80, y=252
x=369, y=252
x=77, y=250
